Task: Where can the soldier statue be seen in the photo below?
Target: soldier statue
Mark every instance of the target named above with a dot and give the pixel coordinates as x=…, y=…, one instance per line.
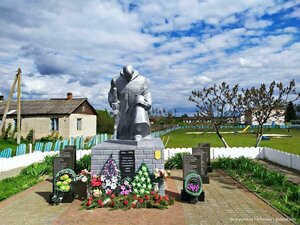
x=130, y=100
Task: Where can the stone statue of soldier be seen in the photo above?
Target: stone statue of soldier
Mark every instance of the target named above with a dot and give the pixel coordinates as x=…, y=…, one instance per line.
x=130, y=99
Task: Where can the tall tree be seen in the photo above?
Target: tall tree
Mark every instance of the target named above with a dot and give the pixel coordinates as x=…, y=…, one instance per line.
x=105, y=122
x=216, y=104
x=290, y=113
x=262, y=101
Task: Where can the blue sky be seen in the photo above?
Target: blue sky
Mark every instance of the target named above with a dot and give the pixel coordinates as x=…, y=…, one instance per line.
x=179, y=46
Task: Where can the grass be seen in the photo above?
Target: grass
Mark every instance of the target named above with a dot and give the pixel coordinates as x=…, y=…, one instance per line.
x=28, y=177
x=7, y=144
x=180, y=139
x=33, y=174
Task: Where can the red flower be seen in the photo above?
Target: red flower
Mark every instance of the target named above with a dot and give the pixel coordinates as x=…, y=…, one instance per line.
x=141, y=200
x=134, y=196
x=166, y=198
x=88, y=203
x=112, y=196
x=160, y=198
x=96, y=182
x=125, y=202
x=101, y=205
x=99, y=202
x=109, y=192
x=152, y=192
x=155, y=197
x=133, y=205
x=112, y=204
x=147, y=197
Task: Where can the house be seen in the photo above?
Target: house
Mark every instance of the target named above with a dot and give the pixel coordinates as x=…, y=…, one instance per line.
x=70, y=117
x=276, y=118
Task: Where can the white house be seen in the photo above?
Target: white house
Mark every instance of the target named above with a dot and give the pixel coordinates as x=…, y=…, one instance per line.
x=70, y=117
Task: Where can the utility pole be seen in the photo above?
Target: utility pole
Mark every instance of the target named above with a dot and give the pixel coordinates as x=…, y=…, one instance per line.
x=19, y=108
x=9, y=99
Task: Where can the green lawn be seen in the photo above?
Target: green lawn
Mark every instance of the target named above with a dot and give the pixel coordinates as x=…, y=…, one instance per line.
x=180, y=139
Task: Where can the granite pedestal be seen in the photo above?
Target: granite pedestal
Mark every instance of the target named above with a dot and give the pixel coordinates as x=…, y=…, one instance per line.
x=144, y=152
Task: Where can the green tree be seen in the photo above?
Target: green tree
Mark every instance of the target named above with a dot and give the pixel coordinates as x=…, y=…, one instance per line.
x=290, y=113
x=105, y=122
x=262, y=101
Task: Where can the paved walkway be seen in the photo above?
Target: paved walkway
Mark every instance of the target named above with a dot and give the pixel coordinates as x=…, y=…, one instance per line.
x=291, y=174
x=11, y=173
x=227, y=202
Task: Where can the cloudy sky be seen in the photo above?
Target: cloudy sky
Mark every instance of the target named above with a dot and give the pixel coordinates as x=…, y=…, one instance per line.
x=179, y=46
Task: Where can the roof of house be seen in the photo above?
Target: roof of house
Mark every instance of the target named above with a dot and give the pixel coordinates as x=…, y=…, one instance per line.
x=45, y=107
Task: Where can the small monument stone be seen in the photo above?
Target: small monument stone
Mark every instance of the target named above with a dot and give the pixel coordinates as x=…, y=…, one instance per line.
x=191, y=164
x=206, y=147
x=203, y=163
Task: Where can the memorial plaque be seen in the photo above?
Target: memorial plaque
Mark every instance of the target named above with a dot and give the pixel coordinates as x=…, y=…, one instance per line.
x=70, y=152
x=127, y=163
x=60, y=163
x=191, y=163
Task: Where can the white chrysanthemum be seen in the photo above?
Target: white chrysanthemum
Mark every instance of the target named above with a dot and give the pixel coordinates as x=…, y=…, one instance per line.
x=84, y=179
x=97, y=193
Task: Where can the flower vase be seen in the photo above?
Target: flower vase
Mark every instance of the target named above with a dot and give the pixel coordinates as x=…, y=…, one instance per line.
x=155, y=187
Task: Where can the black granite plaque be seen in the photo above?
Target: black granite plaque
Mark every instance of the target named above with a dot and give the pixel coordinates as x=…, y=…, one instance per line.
x=191, y=163
x=70, y=152
x=60, y=163
x=127, y=163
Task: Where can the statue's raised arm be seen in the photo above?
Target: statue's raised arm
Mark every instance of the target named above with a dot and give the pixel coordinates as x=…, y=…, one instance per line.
x=130, y=100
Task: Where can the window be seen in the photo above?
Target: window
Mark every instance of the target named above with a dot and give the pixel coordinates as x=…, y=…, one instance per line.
x=79, y=124
x=53, y=123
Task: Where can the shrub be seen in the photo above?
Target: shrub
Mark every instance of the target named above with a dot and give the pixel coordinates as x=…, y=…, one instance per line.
x=84, y=163
x=54, y=136
x=175, y=162
x=29, y=136
x=7, y=131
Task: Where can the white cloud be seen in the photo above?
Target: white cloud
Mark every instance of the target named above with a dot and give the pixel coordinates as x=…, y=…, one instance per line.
x=62, y=46
x=256, y=24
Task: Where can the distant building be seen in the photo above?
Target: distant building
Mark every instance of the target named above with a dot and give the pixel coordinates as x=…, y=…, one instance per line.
x=199, y=120
x=70, y=117
x=276, y=118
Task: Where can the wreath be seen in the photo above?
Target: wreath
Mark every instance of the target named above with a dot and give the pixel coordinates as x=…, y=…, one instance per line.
x=64, y=182
x=193, y=184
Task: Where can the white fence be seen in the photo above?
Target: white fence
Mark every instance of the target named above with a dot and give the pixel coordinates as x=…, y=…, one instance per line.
x=25, y=160
x=279, y=157
x=282, y=158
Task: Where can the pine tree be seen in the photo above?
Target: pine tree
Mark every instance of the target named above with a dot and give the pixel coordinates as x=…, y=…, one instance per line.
x=290, y=113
